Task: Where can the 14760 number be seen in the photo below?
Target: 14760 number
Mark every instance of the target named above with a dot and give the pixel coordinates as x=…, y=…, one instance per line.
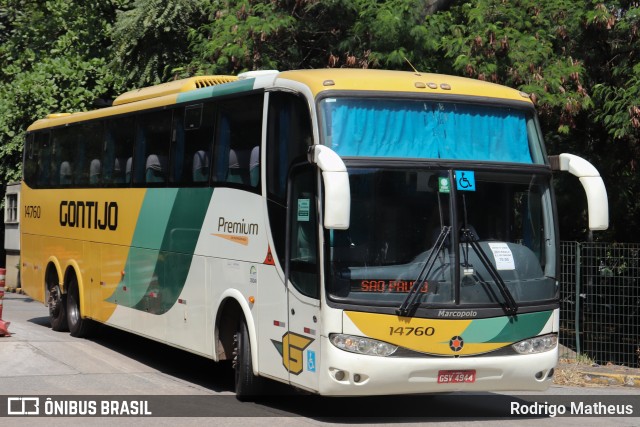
x=419, y=331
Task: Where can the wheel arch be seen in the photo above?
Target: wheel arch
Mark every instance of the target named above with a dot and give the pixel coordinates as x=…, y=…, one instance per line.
x=231, y=308
x=53, y=267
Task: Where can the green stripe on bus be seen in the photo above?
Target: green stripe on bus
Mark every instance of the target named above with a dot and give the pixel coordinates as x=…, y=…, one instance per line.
x=165, y=239
x=506, y=329
x=484, y=330
x=522, y=326
x=244, y=85
x=154, y=216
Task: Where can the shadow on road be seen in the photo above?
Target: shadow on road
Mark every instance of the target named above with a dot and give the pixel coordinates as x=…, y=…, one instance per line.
x=285, y=401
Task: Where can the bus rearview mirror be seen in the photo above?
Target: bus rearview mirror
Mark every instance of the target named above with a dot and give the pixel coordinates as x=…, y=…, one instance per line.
x=337, y=195
x=597, y=201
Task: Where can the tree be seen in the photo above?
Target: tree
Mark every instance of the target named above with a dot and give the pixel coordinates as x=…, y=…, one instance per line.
x=150, y=40
x=616, y=92
x=52, y=59
x=293, y=34
x=577, y=58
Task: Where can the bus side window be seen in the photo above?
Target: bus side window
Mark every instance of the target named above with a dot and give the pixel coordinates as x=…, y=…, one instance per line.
x=153, y=139
x=64, y=153
x=117, y=150
x=303, y=269
x=191, y=145
x=30, y=167
x=288, y=139
x=238, y=134
x=37, y=170
x=89, y=165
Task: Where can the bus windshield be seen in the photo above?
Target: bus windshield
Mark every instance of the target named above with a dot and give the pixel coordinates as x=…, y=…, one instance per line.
x=410, y=128
x=401, y=220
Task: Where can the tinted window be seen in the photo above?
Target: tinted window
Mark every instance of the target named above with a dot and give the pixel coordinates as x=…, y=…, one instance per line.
x=237, y=144
x=151, y=157
x=192, y=142
x=288, y=139
x=118, y=151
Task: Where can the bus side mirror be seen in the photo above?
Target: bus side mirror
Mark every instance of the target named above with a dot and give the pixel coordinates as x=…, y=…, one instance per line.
x=337, y=195
x=597, y=202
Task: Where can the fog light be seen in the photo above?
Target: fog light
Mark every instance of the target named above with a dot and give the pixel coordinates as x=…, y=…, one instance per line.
x=356, y=378
x=339, y=375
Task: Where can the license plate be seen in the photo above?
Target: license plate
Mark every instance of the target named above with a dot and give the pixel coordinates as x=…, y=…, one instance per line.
x=454, y=377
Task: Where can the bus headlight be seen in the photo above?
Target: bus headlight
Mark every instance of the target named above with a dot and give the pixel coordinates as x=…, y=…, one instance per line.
x=362, y=345
x=536, y=345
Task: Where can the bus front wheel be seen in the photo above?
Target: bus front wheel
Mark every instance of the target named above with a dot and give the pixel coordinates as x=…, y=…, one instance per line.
x=247, y=386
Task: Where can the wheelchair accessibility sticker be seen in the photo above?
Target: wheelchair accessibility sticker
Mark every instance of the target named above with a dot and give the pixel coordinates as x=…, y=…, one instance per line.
x=311, y=361
x=465, y=181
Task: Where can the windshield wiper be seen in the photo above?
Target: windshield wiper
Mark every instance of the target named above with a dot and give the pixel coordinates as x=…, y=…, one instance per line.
x=510, y=306
x=409, y=304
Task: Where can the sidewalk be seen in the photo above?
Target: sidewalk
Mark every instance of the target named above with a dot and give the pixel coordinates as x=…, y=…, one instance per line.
x=570, y=372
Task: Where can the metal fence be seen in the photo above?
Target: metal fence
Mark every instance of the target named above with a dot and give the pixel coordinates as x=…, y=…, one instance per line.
x=600, y=302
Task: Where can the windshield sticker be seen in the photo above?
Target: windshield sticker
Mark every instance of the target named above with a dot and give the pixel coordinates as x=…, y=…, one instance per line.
x=443, y=185
x=503, y=256
x=303, y=210
x=466, y=180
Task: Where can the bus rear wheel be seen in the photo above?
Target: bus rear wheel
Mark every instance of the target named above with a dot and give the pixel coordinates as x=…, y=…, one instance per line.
x=78, y=326
x=57, y=303
x=248, y=387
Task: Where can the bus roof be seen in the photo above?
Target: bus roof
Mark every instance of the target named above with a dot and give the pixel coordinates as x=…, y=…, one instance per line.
x=177, y=86
x=345, y=79
x=138, y=99
x=318, y=81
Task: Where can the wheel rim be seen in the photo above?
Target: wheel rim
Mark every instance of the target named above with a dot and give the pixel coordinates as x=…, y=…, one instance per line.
x=54, y=301
x=74, y=312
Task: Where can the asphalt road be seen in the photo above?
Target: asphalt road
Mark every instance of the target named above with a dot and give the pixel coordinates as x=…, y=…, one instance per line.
x=181, y=388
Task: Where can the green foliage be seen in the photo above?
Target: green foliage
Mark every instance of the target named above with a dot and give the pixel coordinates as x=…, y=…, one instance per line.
x=526, y=44
x=577, y=58
x=619, y=95
x=150, y=43
x=52, y=59
x=253, y=35
x=243, y=35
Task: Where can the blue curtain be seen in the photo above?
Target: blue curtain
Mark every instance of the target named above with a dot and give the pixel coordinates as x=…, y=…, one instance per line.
x=410, y=129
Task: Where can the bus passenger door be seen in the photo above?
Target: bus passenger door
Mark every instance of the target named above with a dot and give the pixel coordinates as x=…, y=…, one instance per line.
x=301, y=346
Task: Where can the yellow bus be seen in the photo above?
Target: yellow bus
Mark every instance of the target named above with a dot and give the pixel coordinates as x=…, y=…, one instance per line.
x=347, y=232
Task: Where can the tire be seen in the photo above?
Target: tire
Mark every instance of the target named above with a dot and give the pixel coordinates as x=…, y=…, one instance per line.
x=248, y=387
x=78, y=326
x=57, y=302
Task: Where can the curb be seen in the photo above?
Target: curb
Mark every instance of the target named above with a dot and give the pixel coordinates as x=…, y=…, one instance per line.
x=609, y=379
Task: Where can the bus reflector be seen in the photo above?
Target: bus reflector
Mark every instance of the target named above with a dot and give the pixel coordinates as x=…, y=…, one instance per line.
x=268, y=260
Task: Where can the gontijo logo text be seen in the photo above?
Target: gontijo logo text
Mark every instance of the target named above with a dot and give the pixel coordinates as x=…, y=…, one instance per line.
x=89, y=214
